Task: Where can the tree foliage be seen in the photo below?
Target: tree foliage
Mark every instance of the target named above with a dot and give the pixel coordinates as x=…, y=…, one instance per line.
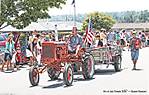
x=99, y=20
x=131, y=16
x=20, y=13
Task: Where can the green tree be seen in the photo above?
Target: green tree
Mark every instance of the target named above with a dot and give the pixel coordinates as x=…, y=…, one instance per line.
x=131, y=16
x=99, y=20
x=20, y=13
x=144, y=16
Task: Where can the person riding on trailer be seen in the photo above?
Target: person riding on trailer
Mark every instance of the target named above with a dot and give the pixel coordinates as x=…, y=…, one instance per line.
x=98, y=42
x=117, y=38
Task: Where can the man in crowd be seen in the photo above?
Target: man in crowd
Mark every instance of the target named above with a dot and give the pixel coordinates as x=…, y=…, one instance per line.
x=123, y=39
x=111, y=37
x=143, y=39
x=135, y=45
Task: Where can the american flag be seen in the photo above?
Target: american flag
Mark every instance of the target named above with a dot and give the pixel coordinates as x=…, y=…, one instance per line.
x=89, y=36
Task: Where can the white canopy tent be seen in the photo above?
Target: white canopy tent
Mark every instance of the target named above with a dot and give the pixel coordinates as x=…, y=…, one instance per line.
x=35, y=26
x=9, y=28
x=31, y=27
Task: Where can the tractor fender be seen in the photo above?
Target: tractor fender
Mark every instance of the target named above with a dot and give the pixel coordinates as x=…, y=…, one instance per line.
x=86, y=55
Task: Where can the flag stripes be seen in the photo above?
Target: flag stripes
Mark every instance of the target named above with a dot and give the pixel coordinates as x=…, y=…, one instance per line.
x=89, y=33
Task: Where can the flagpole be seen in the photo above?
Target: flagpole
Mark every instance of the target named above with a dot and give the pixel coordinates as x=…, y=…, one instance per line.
x=56, y=33
x=74, y=19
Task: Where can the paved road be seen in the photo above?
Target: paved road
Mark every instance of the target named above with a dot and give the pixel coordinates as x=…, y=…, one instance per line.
x=105, y=82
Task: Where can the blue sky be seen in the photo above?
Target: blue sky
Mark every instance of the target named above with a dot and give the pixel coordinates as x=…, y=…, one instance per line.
x=86, y=6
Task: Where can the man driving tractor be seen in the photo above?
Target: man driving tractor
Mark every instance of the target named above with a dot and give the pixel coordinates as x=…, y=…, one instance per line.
x=74, y=42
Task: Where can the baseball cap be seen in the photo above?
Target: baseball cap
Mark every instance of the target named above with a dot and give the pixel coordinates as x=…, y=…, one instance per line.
x=134, y=32
x=102, y=29
x=74, y=29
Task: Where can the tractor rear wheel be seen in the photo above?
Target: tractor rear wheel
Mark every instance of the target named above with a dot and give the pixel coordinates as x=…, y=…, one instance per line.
x=117, y=64
x=88, y=67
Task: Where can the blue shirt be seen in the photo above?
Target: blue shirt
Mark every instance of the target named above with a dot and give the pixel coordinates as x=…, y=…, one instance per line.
x=9, y=47
x=75, y=41
x=111, y=36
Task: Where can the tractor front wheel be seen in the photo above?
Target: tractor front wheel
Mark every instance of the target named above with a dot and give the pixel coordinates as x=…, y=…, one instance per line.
x=68, y=75
x=34, y=76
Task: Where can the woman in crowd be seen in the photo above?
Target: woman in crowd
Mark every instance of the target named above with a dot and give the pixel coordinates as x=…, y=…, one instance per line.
x=9, y=51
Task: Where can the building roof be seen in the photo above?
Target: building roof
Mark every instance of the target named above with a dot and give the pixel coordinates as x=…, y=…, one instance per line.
x=61, y=25
x=130, y=26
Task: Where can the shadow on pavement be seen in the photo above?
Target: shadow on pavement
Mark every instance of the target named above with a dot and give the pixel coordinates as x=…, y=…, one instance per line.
x=22, y=66
x=54, y=85
x=104, y=71
x=58, y=80
x=60, y=84
x=32, y=86
x=81, y=79
x=138, y=70
x=8, y=71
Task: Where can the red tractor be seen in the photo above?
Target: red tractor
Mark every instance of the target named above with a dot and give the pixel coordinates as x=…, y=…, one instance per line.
x=56, y=59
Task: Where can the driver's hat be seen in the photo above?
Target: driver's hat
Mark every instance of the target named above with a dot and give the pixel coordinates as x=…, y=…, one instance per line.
x=74, y=29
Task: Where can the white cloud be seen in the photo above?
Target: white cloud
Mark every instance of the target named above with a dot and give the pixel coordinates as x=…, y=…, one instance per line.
x=85, y=6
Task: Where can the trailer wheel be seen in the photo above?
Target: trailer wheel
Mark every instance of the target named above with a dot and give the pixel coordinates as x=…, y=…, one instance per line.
x=34, y=76
x=117, y=64
x=68, y=75
x=88, y=67
x=53, y=74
